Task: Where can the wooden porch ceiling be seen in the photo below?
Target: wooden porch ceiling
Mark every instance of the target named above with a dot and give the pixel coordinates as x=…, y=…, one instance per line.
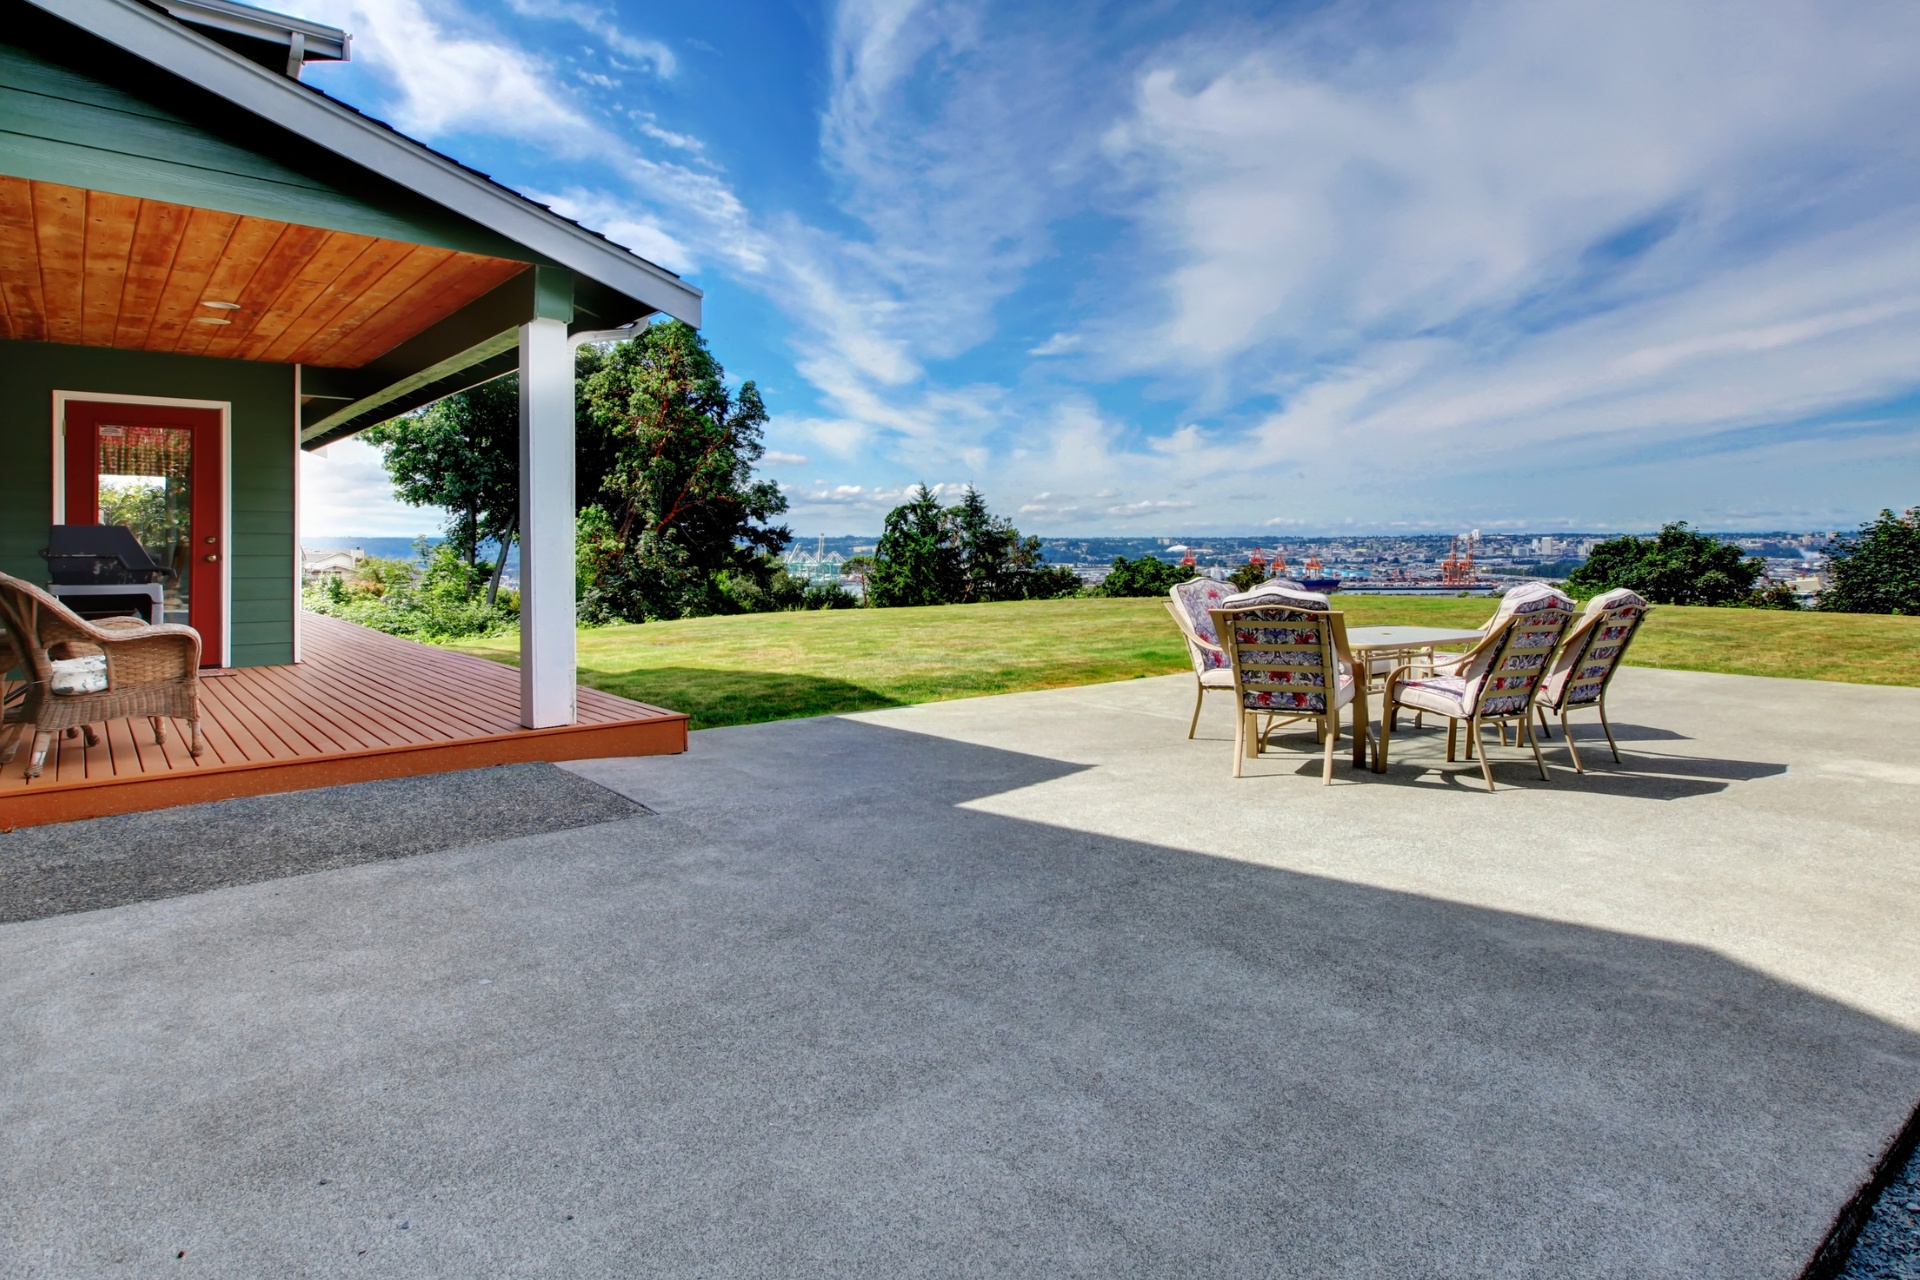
x=104, y=270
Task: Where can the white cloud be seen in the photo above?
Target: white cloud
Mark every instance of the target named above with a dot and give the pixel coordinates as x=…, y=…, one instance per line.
x=777, y=458
x=345, y=492
x=1391, y=259
x=1552, y=221
x=452, y=75
x=1058, y=345
x=604, y=27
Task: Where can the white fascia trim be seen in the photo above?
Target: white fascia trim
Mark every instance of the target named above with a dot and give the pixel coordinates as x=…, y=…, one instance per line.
x=152, y=35
x=320, y=40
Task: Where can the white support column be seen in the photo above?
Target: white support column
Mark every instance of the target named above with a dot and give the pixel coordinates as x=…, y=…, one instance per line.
x=547, y=688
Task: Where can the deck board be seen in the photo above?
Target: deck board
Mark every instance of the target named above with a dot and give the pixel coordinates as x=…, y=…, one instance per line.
x=361, y=705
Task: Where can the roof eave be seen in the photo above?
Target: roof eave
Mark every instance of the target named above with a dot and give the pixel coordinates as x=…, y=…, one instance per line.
x=154, y=37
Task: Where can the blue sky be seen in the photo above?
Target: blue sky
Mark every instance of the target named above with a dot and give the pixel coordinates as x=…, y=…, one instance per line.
x=1188, y=268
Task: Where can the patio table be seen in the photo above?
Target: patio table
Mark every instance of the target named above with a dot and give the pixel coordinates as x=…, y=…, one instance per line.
x=1370, y=644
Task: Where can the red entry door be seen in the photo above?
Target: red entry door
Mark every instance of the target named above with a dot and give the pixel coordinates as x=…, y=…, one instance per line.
x=156, y=469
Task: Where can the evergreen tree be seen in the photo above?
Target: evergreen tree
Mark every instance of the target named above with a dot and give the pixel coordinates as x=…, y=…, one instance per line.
x=1876, y=570
x=918, y=559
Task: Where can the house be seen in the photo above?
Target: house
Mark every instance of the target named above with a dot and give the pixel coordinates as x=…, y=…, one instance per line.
x=208, y=265
x=339, y=563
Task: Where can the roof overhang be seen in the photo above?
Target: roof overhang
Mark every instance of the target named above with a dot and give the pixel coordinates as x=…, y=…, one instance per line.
x=151, y=35
x=288, y=40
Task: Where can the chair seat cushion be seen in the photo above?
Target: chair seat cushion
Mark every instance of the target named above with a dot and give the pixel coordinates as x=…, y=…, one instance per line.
x=72, y=676
x=1217, y=678
x=1444, y=694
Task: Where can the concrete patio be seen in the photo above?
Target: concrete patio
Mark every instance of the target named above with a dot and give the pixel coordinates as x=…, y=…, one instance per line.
x=1022, y=986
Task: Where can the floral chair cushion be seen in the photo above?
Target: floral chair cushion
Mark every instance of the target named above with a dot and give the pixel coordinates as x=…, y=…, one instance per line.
x=1195, y=599
x=1446, y=695
x=1282, y=641
x=1543, y=613
x=1283, y=593
x=1584, y=664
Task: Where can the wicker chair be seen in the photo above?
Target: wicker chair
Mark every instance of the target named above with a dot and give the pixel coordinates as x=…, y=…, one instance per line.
x=1288, y=652
x=1495, y=682
x=1588, y=657
x=151, y=671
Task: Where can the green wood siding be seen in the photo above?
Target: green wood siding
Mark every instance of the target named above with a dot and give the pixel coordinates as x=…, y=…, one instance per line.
x=119, y=125
x=261, y=538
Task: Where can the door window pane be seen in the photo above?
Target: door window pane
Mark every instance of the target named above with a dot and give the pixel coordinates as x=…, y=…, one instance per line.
x=145, y=479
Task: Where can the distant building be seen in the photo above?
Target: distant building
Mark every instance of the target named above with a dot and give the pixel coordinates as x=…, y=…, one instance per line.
x=316, y=565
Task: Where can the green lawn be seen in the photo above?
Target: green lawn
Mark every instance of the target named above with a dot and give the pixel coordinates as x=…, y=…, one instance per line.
x=772, y=666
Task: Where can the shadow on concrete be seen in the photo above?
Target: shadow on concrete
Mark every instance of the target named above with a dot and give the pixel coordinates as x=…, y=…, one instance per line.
x=819, y=1017
x=1639, y=776
x=1587, y=726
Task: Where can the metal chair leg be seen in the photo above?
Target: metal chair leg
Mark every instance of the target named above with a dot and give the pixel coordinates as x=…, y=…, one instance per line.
x=1526, y=728
x=1486, y=765
x=1607, y=728
x=1566, y=731
x=1333, y=738
x=1543, y=721
x=1386, y=737
x=1199, y=696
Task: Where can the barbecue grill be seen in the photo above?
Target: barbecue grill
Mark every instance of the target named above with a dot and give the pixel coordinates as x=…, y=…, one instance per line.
x=99, y=555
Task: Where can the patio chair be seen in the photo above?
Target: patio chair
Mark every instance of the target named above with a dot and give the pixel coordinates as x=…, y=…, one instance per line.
x=1287, y=651
x=103, y=672
x=1189, y=603
x=1588, y=657
x=1495, y=682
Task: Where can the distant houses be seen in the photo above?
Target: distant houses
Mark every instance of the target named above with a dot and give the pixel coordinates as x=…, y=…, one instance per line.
x=316, y=566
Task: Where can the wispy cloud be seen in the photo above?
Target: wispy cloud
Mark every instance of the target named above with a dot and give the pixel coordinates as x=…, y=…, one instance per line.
x=1378, y=257
x=605, y=28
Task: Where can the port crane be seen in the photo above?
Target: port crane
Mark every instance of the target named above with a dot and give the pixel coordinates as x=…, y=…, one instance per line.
x=1457, y=569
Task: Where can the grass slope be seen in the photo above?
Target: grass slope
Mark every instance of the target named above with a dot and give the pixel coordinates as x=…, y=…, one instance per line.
x=771, y=666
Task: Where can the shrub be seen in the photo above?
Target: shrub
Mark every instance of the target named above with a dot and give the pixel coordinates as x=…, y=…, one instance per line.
x=443, y=601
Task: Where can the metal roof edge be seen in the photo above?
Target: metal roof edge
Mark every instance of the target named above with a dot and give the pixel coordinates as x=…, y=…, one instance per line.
x=153, y=36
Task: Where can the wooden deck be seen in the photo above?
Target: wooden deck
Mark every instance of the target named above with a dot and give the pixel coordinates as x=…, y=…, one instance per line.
x=361, y=706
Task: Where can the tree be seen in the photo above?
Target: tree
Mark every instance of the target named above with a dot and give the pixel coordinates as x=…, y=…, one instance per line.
x=1248, y=576
x=1679, y=565
x=462, y=454
x=1876, y=570
x=918, y=559
x=674, y=451
x=1147, y=576
x=963, y=554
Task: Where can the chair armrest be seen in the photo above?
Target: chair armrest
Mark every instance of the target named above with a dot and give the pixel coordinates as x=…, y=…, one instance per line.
x=1186, y=629
x=1394, y=677
x=140, y=655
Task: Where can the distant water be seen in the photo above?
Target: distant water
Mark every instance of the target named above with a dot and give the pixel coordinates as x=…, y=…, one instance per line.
x=385, y=548
x=404, y=549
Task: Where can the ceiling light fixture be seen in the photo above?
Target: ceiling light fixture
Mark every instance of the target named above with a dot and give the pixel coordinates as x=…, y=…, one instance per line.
x=221, y=306
x=210, y=320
